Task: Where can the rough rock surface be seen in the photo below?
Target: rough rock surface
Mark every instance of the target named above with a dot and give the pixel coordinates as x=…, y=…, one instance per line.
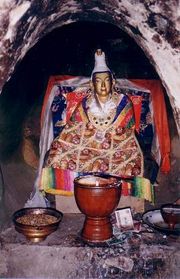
x=64, y=255
x=154, y=25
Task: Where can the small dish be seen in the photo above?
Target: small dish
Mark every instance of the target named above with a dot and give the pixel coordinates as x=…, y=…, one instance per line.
x=36, y=223
x=154, y=219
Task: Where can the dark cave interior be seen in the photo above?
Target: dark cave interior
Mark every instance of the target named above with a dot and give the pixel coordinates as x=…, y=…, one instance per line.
x=66, y=50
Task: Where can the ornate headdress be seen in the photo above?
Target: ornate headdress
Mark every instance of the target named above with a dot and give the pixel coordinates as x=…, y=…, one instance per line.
x=100, y=63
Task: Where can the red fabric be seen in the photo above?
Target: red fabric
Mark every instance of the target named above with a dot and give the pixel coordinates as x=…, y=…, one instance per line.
x=137, y=105
x=73, y=99
x=59, y=177
x=160, y=119
x=126, y=189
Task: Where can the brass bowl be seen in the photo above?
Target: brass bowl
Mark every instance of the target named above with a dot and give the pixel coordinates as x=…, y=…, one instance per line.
x=36, y=232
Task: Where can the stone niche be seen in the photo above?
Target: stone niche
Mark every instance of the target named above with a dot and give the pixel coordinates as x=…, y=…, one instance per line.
x=39, y=40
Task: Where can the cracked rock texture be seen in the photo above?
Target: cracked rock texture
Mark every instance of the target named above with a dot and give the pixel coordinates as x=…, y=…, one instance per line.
x=64, y=255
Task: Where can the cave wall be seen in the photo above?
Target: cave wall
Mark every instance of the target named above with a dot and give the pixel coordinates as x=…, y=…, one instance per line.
x=154, y=25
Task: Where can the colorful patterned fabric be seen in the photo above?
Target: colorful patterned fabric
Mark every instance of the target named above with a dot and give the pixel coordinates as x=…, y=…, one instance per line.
x=143, y=188
x=58, y=181
x=83, y=146
x=141, y=103
x=65, y=102
x=138, y=187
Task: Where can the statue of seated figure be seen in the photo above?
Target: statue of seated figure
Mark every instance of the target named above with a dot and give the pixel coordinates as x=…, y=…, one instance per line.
x=99, y=137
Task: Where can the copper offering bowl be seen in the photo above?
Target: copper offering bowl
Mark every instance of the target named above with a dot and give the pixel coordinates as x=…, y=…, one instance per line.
x=171, y=214
x=35, y=229
x=97, y=197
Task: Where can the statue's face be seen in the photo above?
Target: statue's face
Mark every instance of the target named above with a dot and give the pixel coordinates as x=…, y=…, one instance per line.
x=102, y=83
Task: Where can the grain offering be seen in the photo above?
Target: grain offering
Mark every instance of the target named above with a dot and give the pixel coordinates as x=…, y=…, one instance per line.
x=37, y=219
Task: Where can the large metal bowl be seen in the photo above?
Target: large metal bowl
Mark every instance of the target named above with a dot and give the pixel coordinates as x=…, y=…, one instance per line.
x=36, y=233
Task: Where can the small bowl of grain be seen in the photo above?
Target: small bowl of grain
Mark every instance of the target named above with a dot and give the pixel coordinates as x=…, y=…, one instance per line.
x=36, y=223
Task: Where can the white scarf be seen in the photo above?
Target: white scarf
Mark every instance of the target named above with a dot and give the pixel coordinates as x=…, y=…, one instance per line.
x=104, y=108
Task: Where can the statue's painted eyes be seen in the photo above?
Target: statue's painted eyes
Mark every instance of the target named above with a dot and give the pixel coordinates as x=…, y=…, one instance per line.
x=108, y=79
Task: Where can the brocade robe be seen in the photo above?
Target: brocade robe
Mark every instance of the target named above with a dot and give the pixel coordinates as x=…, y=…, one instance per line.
x=96, y=141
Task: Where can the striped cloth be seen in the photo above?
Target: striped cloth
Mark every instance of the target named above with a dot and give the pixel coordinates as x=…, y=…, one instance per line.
x=58, y=181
